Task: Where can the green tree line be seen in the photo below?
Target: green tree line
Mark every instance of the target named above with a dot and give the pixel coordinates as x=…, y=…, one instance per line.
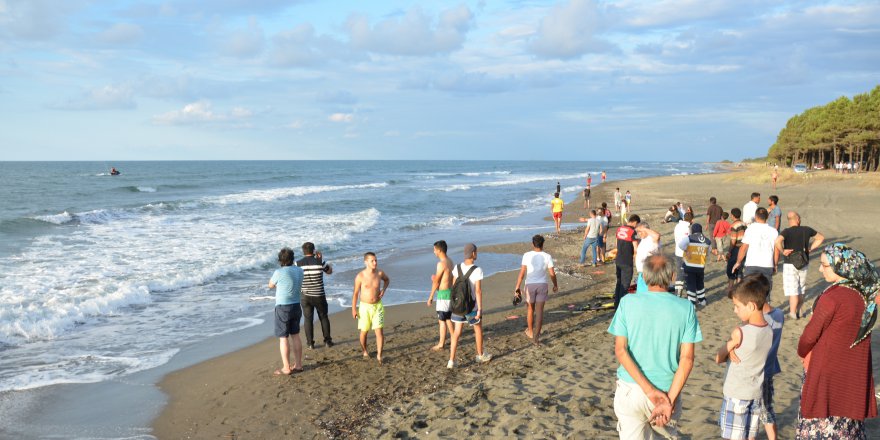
x=844, y=130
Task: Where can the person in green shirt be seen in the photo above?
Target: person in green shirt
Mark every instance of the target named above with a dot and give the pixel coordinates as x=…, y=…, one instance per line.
x=656, y=355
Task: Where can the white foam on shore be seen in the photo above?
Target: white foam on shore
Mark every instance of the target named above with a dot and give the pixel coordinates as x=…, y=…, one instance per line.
x=506, y=182
x=268, y=195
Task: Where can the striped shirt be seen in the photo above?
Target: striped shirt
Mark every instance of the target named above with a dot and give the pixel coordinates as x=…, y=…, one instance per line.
x=313, y=275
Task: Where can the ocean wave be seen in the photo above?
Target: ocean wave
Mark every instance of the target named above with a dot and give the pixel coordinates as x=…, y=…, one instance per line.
x=94, y=217
x=268, y=195
x=507, y=182
x=84, y=368
x=146, y=189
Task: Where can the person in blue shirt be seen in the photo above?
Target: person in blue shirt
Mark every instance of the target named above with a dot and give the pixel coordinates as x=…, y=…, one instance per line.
x=287, y=282
x=656, y=355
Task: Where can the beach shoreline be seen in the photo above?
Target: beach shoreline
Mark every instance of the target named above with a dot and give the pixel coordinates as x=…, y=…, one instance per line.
x=558, y=390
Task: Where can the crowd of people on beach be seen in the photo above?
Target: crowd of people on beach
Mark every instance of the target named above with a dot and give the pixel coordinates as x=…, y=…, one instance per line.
x=655, y=356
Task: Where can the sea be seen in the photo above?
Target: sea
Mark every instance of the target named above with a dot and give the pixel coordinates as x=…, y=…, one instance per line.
x=103, y=277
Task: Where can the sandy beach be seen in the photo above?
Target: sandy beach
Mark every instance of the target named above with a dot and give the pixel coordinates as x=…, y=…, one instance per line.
x=563, y=389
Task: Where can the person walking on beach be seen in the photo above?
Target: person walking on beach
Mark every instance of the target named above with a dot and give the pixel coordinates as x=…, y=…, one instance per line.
x=656, y=356
x=648, y=245
x=695, y=248
x=628, y=197
x=713, y=215
x=556, y=207
x=589, y=180
x=719, y=232
x=737, y=231
x=758, y=249
x=617, y=199
x=602, y=216
x=750, y=207
x=682, y=230
x=441, y=285
x=536, y=265
x=314, y=297
x=774, y=214
x=627, y=240
x=603, y=176
x=624, y=210
x=747, y=351
x=838, y=391
x=591, y=237
x=795, y=246
x=474, y=318
x=369, y=287
x=587, y=196
x=287, y=282
x=774, y=175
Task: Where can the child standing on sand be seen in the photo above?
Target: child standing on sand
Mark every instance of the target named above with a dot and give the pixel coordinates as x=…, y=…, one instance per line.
x=747, y=350
x=287, y=282
x=441, y=283
x=370, y=314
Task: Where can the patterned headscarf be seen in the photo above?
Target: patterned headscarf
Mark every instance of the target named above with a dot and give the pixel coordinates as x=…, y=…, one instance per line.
x=859, y=274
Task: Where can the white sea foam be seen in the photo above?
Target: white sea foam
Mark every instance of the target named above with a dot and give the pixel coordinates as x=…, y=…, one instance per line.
x=507, y=182
x=58, y=219
x=268, y=195
x=147, y=189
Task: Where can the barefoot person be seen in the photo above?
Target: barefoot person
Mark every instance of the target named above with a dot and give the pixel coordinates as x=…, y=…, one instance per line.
x=556, y=206
x=474, y=280
x=441, y=283
x=370, y=314
x=536, y=264
x=287, y=282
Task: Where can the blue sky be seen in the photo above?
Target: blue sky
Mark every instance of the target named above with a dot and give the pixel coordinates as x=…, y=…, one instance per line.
x=517, y=79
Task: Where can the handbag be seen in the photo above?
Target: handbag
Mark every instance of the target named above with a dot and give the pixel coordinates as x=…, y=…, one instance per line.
x=798, y=259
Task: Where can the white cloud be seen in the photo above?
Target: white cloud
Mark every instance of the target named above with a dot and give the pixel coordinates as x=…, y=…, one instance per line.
x=413, y=34
x=569, y=31
x=34, y=19
x=301, y=46
x=341, y=117
x=121, y=33
x=244, y=43
x=109, y=97
x=202, y=112
x=296, y=124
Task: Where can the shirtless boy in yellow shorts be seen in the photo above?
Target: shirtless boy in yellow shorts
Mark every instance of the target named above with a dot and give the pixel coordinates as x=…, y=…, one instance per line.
x=370, y=313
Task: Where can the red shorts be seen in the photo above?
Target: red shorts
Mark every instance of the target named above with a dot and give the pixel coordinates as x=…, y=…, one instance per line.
x=557, y=215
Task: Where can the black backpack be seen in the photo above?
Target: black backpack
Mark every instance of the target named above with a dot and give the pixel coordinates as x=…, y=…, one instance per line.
x=461, y=301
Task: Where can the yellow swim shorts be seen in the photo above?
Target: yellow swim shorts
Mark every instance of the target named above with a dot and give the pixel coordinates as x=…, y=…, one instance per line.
x=371, y=316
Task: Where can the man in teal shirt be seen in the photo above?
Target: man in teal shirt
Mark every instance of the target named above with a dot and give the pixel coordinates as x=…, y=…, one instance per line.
x=654, y=336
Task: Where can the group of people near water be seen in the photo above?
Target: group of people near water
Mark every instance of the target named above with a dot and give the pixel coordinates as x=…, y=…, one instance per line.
x=656, y=356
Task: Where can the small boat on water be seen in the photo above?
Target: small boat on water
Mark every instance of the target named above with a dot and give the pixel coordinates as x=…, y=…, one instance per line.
x=114, y=172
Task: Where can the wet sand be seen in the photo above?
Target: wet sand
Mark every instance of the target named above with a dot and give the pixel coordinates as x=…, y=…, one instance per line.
x=563, y=388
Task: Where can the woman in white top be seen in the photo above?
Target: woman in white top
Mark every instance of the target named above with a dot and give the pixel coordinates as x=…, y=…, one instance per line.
x=536, y=264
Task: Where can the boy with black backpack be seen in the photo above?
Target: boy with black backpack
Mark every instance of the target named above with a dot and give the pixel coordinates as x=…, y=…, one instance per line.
x=467, y=303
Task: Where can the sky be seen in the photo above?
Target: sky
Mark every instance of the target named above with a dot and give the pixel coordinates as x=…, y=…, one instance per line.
x=699, y=80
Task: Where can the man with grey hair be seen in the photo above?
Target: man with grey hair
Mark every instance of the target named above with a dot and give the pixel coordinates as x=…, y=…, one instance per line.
x=656, y=355
x=795, y=246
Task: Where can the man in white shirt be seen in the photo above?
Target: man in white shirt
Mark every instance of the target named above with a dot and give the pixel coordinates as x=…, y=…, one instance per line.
x=749, y=209
x=682, y=229
x=648, y=245
x=758, y=253
x=536, y=265
x=591, y=237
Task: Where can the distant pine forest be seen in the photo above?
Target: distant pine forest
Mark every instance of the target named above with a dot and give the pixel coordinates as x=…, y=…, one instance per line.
x=843, y=131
